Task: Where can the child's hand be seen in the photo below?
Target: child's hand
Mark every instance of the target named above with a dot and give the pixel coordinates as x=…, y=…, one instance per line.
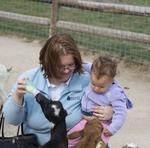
x=107, y=132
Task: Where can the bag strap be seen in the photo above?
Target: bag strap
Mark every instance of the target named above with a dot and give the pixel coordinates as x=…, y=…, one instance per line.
x=1, y=109
x=2, y=123
x=1, y=118
x=18, y=130
x=22, y=132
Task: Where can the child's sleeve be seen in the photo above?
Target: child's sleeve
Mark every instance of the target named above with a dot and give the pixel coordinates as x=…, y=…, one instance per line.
x=120, y=112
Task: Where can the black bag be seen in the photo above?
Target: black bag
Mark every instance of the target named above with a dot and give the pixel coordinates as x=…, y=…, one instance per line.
x=18, y=141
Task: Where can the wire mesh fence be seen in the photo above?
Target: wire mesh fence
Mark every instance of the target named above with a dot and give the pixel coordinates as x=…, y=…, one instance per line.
x=14, y=18
x=116, y=27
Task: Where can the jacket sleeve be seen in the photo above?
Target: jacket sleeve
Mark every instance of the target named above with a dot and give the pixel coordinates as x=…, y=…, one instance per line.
x=13, y=113
x=120, y=112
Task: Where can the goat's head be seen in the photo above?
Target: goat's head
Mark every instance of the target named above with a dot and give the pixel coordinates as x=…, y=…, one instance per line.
x=4, y=74
x=56, y=112
x=90, y=135
x=93, y=128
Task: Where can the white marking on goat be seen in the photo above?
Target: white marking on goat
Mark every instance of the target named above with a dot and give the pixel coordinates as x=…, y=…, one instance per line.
x=52, y=125
x=56, y=110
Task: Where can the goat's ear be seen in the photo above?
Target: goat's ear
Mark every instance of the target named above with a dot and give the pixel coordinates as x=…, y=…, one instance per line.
x=75, y=135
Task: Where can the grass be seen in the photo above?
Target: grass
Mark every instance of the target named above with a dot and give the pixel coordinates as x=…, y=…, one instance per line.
x=24, y=29
x=134, y=51
x=27, y=7
x=116, y=21
x=136, y=2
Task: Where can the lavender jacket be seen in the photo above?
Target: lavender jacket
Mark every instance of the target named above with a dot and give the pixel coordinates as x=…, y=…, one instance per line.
x=115, y=96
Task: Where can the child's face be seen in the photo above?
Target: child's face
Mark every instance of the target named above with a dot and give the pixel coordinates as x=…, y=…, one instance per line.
x=102, y=84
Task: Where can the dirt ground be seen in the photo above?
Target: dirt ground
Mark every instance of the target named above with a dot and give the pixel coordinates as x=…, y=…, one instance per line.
x=22, y=55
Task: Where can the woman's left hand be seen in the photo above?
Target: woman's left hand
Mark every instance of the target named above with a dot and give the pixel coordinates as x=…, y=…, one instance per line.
x=103, y=112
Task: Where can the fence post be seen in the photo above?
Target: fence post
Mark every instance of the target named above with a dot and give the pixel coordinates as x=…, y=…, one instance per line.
x=54, y=12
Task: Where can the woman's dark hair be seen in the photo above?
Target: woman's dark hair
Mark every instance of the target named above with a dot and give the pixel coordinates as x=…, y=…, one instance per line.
x=104, y=65
x=57, y=45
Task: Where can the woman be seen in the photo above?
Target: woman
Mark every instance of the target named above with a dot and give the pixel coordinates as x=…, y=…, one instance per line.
x=60, y=77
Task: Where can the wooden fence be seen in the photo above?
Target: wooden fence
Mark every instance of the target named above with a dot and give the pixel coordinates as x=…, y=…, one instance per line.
x=95, y=30
x=54, y=23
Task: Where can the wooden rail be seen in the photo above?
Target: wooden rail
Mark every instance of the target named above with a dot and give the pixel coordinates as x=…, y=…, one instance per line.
x=105, y=32
x=106, y=7
x=101, y=31
x=24, y=18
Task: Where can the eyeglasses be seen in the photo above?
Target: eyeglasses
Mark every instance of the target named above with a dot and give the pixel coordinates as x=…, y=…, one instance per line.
x=69, y=67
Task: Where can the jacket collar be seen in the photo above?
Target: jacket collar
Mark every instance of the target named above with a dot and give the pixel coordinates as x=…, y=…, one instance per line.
x=74, y=84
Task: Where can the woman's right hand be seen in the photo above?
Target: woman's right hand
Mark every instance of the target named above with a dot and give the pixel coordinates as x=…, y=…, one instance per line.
x=20, y=91
x=103, y=112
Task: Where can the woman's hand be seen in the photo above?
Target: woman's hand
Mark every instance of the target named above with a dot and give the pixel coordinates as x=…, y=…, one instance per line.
x=103, y=112
x=20, y=91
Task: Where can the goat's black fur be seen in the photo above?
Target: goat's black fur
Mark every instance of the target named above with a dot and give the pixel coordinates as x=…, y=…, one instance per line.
x=55, y=113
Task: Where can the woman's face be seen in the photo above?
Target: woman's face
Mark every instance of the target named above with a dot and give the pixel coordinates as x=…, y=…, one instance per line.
x=67, y=67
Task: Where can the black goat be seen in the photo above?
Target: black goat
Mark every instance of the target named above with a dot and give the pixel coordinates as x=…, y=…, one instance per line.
x=55, y=113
